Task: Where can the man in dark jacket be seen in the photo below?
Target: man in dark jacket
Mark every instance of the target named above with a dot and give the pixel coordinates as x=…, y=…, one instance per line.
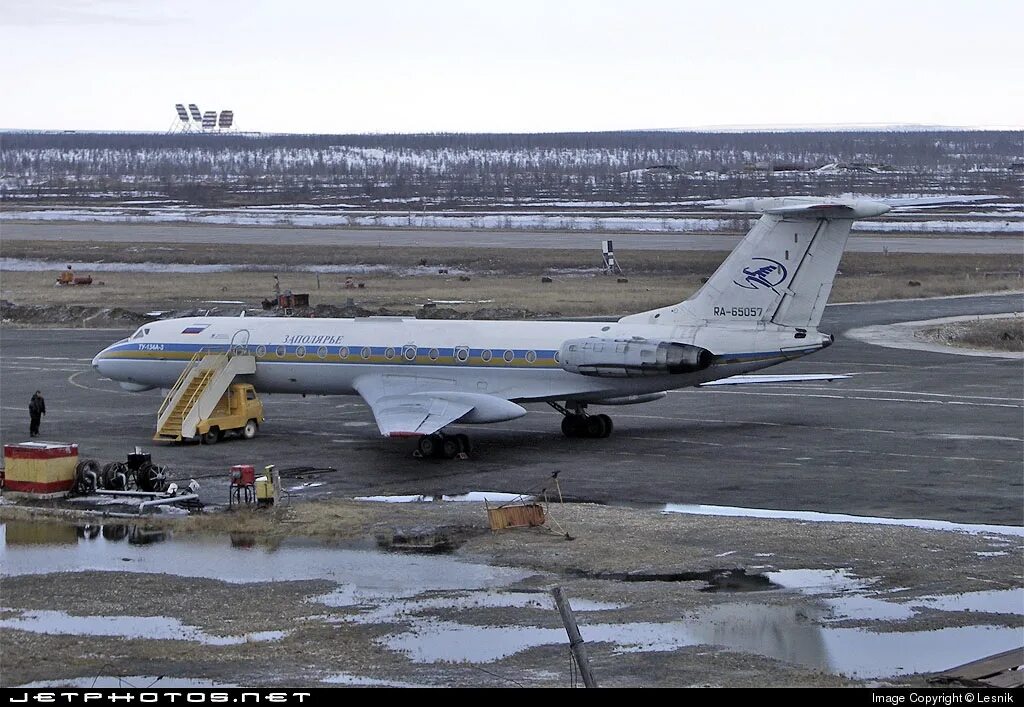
x=36, y=409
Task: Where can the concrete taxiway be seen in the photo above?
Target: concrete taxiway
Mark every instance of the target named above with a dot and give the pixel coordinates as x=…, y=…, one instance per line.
x=914, y=434
x=136, y=233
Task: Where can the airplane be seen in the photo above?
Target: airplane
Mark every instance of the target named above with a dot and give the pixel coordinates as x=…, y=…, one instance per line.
x=761, y=307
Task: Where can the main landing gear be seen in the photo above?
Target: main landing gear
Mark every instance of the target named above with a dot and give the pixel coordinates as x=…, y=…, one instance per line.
x=442, y=446
x=577, y=423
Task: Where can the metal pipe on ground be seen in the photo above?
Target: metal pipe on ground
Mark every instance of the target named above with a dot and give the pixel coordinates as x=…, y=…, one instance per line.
x=106, y=492
x=164, y=501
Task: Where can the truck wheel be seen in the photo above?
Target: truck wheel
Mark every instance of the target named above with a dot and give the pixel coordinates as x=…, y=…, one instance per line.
x=250, y=429
x=211, y=436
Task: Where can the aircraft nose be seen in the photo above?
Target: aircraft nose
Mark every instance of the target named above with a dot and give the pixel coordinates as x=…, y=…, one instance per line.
x=99, y=360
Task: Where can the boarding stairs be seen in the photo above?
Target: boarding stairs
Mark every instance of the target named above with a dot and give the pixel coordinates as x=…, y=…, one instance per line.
x=198, y=390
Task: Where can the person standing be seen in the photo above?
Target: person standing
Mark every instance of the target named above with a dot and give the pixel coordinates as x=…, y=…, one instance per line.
x=36, y=409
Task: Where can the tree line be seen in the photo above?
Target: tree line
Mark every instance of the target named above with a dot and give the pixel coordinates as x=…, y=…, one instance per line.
x=461, y=169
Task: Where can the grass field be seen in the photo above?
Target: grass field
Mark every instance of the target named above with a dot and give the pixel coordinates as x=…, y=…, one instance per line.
x=497, y=278
x=999, y=334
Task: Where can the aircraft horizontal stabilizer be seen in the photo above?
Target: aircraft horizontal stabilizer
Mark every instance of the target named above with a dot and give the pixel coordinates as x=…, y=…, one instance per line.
x=954, y=200
x=756, y=380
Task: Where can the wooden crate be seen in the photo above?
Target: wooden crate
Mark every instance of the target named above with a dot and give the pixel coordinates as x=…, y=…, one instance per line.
x=516, y=515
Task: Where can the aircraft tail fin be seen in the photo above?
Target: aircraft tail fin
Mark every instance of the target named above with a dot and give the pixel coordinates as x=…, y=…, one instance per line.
x=781, y=272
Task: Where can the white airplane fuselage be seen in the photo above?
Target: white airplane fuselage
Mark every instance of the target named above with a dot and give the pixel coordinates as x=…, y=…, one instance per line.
x=514, y=360
x=760, y=307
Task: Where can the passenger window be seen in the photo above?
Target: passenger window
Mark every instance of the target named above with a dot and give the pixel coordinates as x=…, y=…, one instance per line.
x=509, y=356
x=434, y=353
x=365, y=353
x=410, y=353
x=462, y=354
x=531, y=356
x=301, y=352
x=261, y=351
x=281, y=351
x=322, y=352
x=344, y=352
x=389, y=353
x=485, y=355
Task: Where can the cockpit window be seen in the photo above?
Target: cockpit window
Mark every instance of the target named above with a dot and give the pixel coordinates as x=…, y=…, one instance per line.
x=142, y=331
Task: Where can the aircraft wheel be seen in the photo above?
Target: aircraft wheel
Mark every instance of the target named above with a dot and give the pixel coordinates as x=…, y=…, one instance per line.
x=212, y=436
x=574, y=425
x=429, y=445
x=449, y=447
x=608, y=425
x=594, y=426
x=250, y=429
x=465, y=447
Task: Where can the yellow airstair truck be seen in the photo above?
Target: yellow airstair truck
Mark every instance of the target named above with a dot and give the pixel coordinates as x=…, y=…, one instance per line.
x=206, y=404
x=238, y=410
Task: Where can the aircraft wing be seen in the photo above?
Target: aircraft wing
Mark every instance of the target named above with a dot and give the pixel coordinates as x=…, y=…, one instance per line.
x=409, y=406
x=402, y=416
x=753, y=380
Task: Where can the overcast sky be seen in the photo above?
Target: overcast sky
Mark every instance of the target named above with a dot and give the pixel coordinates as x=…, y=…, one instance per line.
x=524, y=65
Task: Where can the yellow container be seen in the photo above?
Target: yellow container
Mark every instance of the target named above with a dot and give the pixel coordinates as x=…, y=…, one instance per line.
x=264, y=490
x=40, y=469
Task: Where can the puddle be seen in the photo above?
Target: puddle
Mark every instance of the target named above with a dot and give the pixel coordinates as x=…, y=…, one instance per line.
x=799, y=633
x=132, y=681
x=997, y=601
x=782, y=633
x=848, y=597
x=843, y=597
x=816, y=517
x=26, y=533
x=304, y=486
x=425, y=539
x=424, y=595
x=149, y=627
x=236, y=560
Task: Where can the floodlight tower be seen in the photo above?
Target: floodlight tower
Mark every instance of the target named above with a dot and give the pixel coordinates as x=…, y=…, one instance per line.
x=209, y=120
x=197, y=117
x=225, y=120
x=182, y=123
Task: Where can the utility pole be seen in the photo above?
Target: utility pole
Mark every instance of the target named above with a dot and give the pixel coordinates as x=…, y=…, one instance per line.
x=576, y=644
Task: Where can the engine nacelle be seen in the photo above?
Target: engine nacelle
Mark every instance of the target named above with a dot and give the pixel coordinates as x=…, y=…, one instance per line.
x=626, y=358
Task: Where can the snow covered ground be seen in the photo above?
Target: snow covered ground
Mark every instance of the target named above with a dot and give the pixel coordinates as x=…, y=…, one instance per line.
x=999, y=223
